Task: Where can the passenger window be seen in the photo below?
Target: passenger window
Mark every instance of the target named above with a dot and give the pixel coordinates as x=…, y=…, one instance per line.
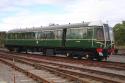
x=80, y=33
x=15, y=36
x=49, y=34
x=41, y=35
x=58, y=34
x=74, y=33
x=99, y=34
x=89, y=33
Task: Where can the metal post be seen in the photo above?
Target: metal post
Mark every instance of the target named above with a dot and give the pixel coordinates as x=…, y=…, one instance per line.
x=92, y=36
x=14, y=79
x=104, y=35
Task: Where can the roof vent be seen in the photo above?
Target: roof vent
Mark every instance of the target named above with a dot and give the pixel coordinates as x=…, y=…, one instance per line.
x=51, y=24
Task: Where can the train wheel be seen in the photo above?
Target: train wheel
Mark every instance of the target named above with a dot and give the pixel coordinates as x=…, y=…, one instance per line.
x=10, y=50
x=79, y=57
x=69, y=55
x=100, y=58
x=44, y=52
x=88, y=56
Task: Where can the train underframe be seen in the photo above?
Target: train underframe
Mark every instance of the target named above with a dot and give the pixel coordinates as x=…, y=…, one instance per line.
x=80, y=53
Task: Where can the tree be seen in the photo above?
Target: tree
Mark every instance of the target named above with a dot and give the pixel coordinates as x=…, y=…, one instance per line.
x=119, y=33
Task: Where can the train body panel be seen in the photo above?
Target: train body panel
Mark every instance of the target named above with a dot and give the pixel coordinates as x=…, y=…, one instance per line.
x=54, y=43
x=80, y=43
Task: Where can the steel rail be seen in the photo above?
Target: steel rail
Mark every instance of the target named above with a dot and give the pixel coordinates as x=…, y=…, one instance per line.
x=121, y=65
x=65, y=75
x=68, y=71
x=28, y=61
x=69, y=66
x=29, y=74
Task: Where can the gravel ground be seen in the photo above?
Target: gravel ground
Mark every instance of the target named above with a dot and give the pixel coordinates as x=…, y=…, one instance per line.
x=117, y=58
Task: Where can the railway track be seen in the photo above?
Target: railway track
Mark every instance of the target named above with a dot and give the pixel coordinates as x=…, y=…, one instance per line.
x=104, y=64
x=79, y=72
x=10, y=75
x=42, y=75
x=20, y=69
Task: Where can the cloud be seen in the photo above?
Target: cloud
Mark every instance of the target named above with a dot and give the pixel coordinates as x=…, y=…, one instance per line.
x=14, y=3
x=68, y=11
x=106, y=10
x=23, y=20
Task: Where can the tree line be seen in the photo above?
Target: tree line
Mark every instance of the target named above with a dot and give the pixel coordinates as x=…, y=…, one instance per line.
x=119, y=33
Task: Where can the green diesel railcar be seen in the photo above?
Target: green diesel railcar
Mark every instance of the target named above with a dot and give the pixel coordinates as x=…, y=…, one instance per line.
x=81, y=40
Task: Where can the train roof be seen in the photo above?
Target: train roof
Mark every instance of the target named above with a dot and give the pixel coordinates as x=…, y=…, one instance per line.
x=53, y=26
x=2, y=31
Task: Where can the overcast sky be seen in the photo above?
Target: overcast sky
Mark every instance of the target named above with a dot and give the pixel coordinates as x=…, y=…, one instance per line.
x=29, y=13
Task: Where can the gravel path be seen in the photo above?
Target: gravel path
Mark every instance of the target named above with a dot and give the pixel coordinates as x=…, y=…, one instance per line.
x=117, y=58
